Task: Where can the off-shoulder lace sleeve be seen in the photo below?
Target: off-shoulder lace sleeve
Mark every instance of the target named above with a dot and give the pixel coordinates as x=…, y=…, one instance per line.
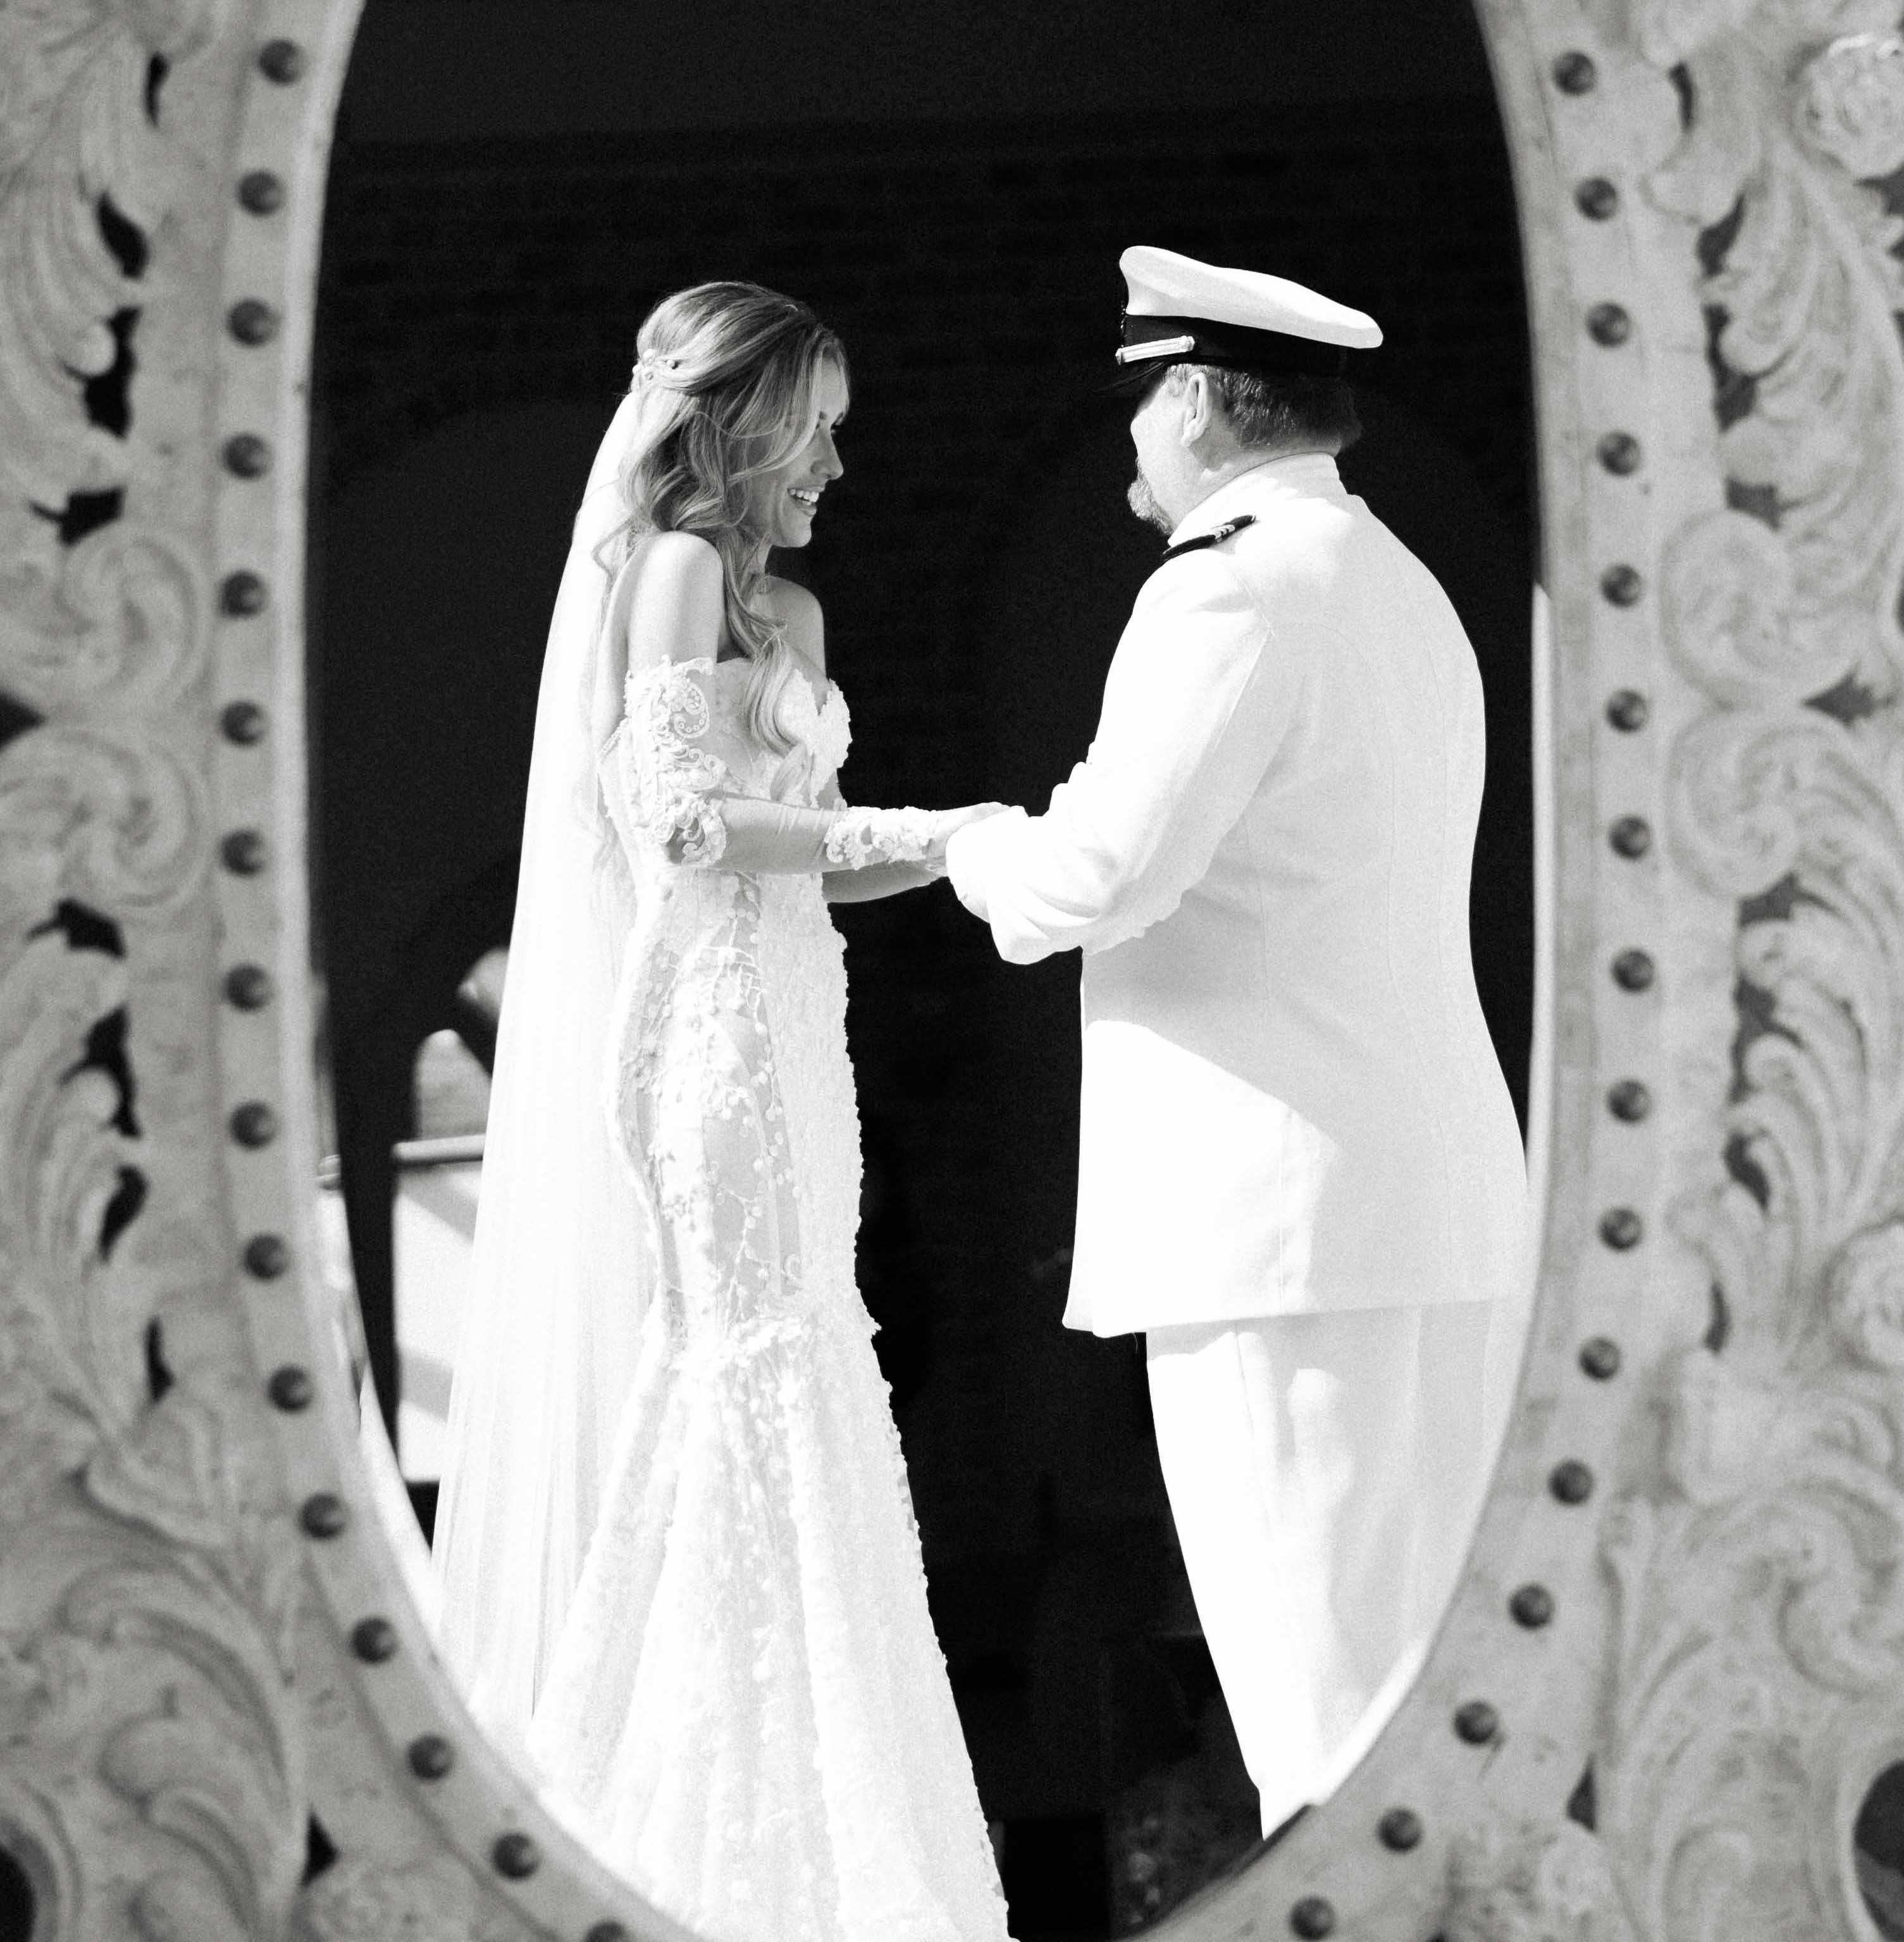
x=671, y=780
x=677, y=794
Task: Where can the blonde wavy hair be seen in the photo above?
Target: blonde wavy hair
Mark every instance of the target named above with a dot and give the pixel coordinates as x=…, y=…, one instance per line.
x=725, y=373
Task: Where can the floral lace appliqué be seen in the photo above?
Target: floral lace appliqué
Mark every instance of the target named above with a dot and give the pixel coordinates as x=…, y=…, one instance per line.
x=671, y=780
x=859, y=836
x=824, y=726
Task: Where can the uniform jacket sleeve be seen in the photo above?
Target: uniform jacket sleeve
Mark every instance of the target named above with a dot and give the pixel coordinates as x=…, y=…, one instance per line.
x=1197, y=699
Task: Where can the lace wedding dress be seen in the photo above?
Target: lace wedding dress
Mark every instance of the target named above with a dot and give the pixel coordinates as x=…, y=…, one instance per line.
x=746, y=1711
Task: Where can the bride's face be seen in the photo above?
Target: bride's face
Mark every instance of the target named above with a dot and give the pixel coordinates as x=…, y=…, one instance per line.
x=785, y=500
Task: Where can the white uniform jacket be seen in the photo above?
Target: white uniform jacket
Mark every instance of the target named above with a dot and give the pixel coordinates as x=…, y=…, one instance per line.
x=1290, y=1100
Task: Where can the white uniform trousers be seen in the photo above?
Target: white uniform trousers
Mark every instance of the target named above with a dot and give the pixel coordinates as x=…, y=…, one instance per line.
x=1324, y=1471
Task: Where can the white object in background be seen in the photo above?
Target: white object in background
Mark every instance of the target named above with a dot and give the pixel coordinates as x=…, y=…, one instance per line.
x=435, y=1216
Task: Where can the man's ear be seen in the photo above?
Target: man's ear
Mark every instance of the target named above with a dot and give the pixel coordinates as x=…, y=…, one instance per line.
x=1198, y=405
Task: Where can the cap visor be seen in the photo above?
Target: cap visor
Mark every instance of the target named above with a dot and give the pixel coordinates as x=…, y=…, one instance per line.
x=1132, y=378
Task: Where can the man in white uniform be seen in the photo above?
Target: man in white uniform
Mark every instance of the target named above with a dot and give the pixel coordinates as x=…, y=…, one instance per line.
x=1300, y=1171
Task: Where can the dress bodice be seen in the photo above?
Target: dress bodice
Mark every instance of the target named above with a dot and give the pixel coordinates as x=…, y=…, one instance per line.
x=821, y=729
x=685, y=773
x=685, y=759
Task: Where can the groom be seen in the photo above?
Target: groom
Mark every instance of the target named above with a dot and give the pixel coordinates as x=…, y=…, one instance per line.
x=1299, y=1172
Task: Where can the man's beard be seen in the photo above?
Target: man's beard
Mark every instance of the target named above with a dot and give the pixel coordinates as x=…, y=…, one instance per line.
x=1144, y=502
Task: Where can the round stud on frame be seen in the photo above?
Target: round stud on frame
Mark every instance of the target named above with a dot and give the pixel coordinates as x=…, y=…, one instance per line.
x=254, y=1124
x=261, y=193
x=607, y=1931
x=517, y=1856
x=1622, y=1228
x=1632, y=971
x=325, y=1515
x=1626, y=708
x=1312, y=1918
x=241, y=595
x=246, y=455
x=1608, y=325
x=1597, y=197
x=374, y=1640
x=1571, y=1481
x=281, y=61
x=244, y=852
x=248, y=987
x=1532, y=1606
x=242, y=722
x=1574, y=73
x=1622, y=585
x=1599, y=1358
x=291, y=1388
x=430, y=1757
x=252, y=321
x=1477, y=1723
x=1619, y=452
x=266, y=1257
x=1629, y=1101
x=1631, y=836
x=1400, y=1830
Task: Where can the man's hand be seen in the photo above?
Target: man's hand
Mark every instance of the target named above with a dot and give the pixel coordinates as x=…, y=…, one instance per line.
x=950, y=822
x=968, y=891
x=977, y=812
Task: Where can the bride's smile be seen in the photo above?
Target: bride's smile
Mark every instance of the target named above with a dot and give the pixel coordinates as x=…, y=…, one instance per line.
x=785, y=497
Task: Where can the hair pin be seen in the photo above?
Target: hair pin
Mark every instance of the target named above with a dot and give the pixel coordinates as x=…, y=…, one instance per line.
x=652, y=367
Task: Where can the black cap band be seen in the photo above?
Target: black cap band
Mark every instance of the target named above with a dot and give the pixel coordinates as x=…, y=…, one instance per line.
x=1233, y=344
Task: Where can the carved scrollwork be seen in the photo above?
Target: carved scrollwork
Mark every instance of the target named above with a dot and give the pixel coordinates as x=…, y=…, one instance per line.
x=148, y=1582
x=1531, y=1883
x=1759, y=1603
x=59, y=1385
x=101, y=621
x=430, y=1900
x=85, y=175
x=145, y=1626
x=98, y=812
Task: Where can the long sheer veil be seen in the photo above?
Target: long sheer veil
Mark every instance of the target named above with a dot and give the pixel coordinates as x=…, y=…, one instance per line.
x=563, y=1259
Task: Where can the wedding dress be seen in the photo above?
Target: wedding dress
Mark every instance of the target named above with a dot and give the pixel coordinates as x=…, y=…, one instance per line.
x=746, y=1709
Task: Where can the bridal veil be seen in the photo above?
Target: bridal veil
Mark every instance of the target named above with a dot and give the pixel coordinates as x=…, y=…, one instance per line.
x=562, y=1261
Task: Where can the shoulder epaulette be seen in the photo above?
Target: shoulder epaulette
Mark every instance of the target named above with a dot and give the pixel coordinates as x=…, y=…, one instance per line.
x=1214, y=538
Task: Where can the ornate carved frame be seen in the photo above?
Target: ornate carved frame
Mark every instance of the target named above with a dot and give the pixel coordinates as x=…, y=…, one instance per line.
x=1677, y=1661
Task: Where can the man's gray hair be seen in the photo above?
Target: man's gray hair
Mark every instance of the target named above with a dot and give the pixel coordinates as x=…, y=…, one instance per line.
x=1296, y=412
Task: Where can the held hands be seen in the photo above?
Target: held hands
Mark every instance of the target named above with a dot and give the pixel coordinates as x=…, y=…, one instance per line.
x=875, y=852
x=860, y=839
x=952, y=819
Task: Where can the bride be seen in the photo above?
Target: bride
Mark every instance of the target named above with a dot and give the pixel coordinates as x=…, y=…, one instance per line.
x=678, y=1567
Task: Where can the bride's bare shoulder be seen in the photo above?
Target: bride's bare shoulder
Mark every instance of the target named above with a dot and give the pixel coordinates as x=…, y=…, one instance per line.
x=665, y=563
x=669, y=599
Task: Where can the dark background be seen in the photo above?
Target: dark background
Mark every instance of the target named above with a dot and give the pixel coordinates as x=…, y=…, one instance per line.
x=512, y=188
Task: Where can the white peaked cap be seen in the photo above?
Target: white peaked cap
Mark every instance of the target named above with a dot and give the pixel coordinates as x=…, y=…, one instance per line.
x=1164, y=285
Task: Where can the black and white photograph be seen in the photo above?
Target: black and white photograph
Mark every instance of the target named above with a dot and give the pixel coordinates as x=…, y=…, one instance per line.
x=951, y=988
